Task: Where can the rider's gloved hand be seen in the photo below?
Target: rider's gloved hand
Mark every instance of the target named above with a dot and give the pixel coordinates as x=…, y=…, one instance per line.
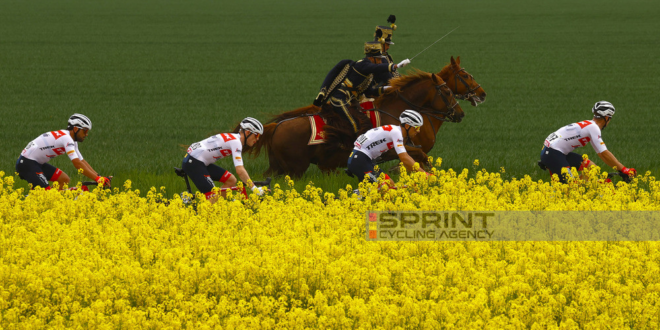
x=403, y=63
x=258, y=190
x=630, y=172
x=102, y=181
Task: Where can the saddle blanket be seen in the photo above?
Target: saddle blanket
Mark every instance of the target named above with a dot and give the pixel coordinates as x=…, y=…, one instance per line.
x=317, y=122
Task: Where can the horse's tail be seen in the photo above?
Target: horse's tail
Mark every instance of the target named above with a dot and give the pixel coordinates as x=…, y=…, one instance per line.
x=306, y=110
x=264, y=140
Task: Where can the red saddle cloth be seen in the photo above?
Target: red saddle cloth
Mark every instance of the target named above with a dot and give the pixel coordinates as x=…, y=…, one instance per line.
x=317, y=122
x=374, y=116
x=318, y=135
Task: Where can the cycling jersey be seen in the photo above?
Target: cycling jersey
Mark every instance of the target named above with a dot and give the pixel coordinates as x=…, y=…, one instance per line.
x=572, y=136
x=50, y=145
x=378, y=140
x=217, y=147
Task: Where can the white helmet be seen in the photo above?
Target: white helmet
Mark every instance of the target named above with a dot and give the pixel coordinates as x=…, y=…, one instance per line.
x=412, y=118
x=603, y=109
x=252, y=125
x=79, y=120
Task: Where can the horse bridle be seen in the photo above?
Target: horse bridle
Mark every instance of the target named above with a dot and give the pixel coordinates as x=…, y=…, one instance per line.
x=470, y=91
x=451, y=107
x=430, y=112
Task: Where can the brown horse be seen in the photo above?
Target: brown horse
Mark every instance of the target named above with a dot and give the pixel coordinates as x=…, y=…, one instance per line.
x=286, y=139
x=462, y=85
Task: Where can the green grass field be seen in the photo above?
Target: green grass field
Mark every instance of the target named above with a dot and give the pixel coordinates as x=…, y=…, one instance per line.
x=155, y=74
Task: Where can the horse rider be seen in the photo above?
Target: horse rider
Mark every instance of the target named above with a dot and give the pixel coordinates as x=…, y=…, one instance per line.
x=558, y=147
x=348, y=80
x=379, y=140
x=383, y=35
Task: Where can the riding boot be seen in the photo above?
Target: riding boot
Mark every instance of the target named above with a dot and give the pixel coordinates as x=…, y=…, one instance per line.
x=350, y=118
x=342, y=109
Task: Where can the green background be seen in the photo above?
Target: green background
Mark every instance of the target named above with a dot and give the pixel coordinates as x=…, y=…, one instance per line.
x=154, y=75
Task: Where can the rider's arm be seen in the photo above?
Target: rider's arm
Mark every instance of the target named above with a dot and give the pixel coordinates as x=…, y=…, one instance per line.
x=608, y=158
x=87, y=170
x=243, y=175
x=408, y=162
x=366, y=67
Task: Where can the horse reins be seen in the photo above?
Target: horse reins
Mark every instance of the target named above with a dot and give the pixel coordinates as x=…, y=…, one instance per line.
x=470, y=91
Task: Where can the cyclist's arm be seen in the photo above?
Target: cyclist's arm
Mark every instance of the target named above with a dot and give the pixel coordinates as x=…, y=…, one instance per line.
x=609, y=159
x=408, y=162
x=87, y=170
x=243, y=175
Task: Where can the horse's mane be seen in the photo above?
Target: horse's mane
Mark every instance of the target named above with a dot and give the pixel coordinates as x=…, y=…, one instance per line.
x=445, y=71
x=400, y=82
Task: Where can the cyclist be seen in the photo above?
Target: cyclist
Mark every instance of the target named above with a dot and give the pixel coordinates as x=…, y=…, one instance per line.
x=558, y=147
x=32, y=165
x=376, y=141
x=199, y=165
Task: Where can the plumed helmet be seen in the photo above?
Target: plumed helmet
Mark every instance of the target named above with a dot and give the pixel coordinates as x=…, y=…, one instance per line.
x=79, y=120
x=252, y=125
x=373, y=48
x=384, y=33
x=603, y=109
x=412, y=118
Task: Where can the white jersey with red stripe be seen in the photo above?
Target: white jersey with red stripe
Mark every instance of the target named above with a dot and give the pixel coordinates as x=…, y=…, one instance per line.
x=572, y=136
x=378, y=140
x=217, y=147
x=50, y=145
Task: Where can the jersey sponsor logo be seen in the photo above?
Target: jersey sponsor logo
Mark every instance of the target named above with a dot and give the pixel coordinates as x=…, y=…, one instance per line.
x=375, y=143
x=573, y=137
x=584, y=123
x=227, y=137
x=194, y=146
x=70, y=144
x=551, y=138
x=59, y=151
x=238, y=150
x=57, y=134
x=583, y=142
x=387, y=128
x=46, y=148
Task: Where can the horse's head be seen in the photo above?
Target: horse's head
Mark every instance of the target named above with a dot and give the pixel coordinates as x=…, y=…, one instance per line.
x=462, y=83
x=443, y=101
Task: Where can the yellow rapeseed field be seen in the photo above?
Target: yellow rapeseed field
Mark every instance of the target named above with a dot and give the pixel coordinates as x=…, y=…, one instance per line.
x=299, y=259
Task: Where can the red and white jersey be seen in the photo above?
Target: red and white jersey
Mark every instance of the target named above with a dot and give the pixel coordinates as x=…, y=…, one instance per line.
x=50, y=145
x=217, y=147
x=572, y=136
x=378, y=140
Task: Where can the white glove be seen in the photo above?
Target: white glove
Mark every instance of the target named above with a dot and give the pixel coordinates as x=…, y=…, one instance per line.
x=403, y=63
x=258, y=190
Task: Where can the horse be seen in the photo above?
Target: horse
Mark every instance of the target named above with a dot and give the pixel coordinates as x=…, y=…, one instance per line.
x=286, y=140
